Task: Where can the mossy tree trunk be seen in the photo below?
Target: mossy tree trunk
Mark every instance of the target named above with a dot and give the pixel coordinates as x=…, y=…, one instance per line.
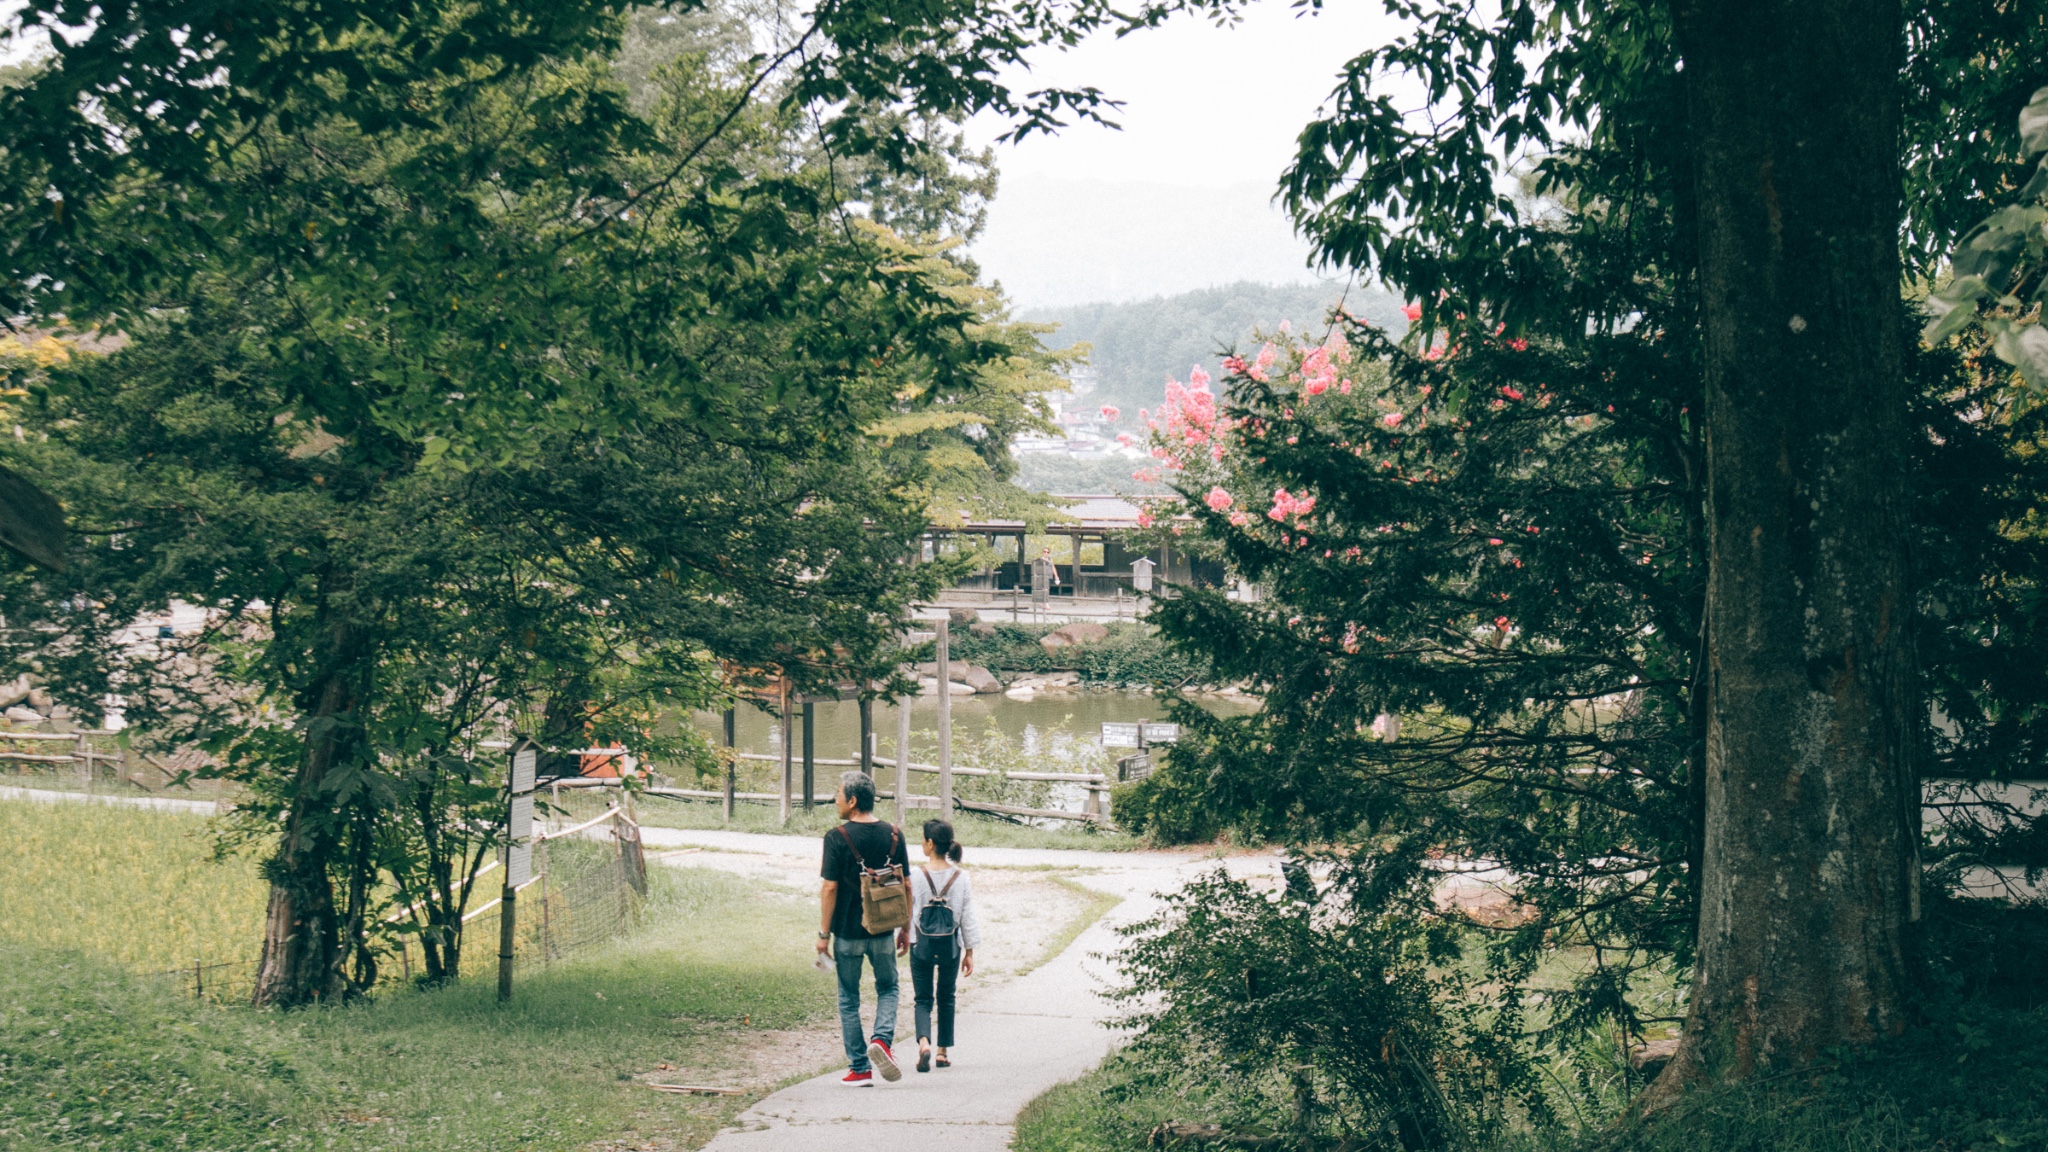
x=1809, y=866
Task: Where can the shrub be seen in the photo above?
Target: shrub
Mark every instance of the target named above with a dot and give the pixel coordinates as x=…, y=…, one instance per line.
x=1342, y=1012
x=1133, y=654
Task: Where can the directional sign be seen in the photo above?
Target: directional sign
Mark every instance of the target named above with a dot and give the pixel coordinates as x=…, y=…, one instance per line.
x=1134, y=767
x=519, y=842
x=524, y=762
x=1119, y=735
x=1156, y=733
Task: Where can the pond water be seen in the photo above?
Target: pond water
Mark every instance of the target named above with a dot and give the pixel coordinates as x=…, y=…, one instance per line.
x=1031, y=723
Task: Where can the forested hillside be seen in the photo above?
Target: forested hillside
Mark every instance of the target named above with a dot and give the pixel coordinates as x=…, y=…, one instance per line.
x=1140, y=343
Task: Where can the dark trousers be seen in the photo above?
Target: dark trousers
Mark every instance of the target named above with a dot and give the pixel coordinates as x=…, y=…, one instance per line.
x=932, y=979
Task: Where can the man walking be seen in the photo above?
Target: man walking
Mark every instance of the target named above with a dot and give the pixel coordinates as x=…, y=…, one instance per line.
x=862, y=842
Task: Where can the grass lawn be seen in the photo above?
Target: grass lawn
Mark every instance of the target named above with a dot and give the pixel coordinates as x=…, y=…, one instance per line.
x=94, y=1056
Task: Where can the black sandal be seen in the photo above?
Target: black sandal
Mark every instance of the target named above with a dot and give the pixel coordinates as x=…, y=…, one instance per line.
x=942, y=1062
x=924, y=1060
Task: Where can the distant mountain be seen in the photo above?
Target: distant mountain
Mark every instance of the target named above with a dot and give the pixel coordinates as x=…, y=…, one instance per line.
x=1139, y=344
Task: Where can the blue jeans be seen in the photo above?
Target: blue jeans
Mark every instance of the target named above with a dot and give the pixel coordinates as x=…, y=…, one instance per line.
x=880, y=951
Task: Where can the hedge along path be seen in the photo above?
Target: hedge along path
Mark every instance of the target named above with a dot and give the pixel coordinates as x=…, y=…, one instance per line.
x=1017, y=1039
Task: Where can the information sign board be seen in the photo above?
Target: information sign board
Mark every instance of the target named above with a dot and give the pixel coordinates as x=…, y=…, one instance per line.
x=524, y=762
x=1134, y=767
x=1161, y=733
x=519, y=842
x=1116, y=734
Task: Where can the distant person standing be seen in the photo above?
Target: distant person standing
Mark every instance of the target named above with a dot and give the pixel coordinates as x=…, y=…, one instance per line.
x=862, y=847
x=1045, y=576
x=945, y=930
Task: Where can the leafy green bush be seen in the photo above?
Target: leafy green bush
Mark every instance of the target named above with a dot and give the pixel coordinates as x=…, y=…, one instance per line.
x=1342, y=1012
x=1132, y=654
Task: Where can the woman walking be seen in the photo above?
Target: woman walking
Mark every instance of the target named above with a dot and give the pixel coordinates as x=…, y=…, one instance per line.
x=944, y=929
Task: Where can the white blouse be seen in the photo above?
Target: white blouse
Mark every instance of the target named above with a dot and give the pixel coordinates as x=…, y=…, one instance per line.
x=960, y=898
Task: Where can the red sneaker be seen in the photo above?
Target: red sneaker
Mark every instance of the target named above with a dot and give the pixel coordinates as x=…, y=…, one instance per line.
x=857, y=1080
x=884, y=1060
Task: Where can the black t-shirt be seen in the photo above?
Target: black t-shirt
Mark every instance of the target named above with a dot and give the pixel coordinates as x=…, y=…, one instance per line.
x=872, y=839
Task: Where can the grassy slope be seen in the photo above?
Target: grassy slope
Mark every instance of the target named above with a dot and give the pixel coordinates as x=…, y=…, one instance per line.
x=94, y=1057
x=1976, y=1081
x=139, y=887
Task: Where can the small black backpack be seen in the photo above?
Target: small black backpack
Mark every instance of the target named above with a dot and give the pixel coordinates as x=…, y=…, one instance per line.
x=937, y=926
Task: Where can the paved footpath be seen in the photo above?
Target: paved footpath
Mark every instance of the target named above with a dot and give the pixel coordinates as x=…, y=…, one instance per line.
x=1016, y=1040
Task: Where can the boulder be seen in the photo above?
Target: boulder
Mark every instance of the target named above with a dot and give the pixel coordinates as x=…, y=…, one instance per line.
x=1086, y=632
x=1022, y=692
x=982, y=628
x=16, y=692
x=21, y=715
x=39, y=699
x=929, y=686
x=962, y=617
x=978, y=678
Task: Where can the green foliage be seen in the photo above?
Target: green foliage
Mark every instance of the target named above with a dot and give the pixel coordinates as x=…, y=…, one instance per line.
x=1341, y=1011
x=1136, y=345
x=1997, y=261
x=1132, y=655
x=1972, y=1080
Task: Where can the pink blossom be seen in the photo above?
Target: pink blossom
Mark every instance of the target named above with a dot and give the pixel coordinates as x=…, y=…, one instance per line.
x=1494, y=540
x=1412, y=311
x=1391, y=419
x=1344, y=386
x=1216, y=453
x=1500, y=622
x=1511, y=392
x=1123, y=438
x=1234, y=366
x=1144, y=519
x=1218, y=499
x=1267, y=355
x=1315, y=387
x=1286, y=326
x=1198, y=379
x=1238, y=519
x=1519, y=344
x=1111, y=412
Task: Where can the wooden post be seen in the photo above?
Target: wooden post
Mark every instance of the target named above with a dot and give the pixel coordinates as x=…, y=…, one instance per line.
x=788, y=738
x=945, y=724
x=1075, y=540
x=732, y=760
x=867, y=736
x=810, y=754
x=507, y=919
x=903, y=758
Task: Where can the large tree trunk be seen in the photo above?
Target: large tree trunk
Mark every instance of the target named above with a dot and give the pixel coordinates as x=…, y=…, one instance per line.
x=303, y=951
x=1809, y=864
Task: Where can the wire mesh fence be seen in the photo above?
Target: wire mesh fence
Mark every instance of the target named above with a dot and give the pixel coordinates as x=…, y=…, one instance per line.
x=588, y=888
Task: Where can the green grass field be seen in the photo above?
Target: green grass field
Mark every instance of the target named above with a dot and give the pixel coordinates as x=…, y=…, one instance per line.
x=137, y=887
x=94, y=1056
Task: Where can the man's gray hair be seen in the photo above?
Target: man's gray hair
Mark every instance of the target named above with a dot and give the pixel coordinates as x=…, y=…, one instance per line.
x=858, y=787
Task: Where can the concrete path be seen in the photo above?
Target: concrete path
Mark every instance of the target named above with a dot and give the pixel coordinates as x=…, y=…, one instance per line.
x=1016, y=1040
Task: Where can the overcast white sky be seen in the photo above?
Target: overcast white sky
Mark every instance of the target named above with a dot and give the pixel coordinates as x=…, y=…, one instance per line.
x=1180, y=198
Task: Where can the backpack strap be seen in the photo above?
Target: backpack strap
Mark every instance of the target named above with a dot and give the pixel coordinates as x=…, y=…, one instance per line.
x=888, y=862
x=937, y=892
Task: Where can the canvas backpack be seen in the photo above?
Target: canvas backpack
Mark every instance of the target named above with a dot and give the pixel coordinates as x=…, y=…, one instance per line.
x=884, y=897
x=936, y=922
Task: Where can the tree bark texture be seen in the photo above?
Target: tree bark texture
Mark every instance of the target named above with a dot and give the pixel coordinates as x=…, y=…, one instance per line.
x=1809, y=862
x=303, y=951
